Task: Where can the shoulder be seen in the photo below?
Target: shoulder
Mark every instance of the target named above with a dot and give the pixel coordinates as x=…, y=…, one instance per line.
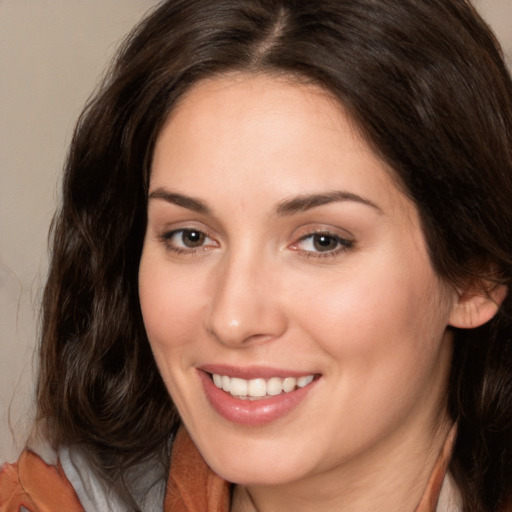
x=54, y=481
x=35, y=485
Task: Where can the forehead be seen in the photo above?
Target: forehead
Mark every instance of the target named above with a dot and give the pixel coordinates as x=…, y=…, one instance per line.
x=227, y=89
x=284, y=133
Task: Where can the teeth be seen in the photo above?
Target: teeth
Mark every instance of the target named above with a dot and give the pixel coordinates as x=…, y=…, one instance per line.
x=289, y=384
x=274, y=386
x=217, y=379
x=257, y=388
x=238, y=386
x=304, y=381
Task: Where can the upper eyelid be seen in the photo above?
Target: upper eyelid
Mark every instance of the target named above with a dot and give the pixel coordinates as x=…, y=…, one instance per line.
x=168, y=233
x=326, y=233
x=339, y=238
x=170, y=227
x=161, y=221
x=320, y=228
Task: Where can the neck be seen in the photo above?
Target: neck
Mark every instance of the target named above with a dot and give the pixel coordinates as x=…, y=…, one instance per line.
x=393, y=476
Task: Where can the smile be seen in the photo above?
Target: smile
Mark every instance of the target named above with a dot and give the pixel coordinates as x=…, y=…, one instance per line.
x=255, y=396
x=257, y=389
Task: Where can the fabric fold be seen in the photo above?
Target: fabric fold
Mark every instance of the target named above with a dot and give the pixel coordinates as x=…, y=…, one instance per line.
x=36, y=486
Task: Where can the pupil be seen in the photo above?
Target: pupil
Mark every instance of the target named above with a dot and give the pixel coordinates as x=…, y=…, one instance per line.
x=324, y=242
x=193, y=238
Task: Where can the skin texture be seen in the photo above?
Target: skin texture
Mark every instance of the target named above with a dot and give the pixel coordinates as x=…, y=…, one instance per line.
x=368, y=316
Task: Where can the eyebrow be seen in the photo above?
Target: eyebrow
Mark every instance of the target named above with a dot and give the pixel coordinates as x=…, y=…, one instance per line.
x=306, y=202
x=188, y=202
x=287, y=207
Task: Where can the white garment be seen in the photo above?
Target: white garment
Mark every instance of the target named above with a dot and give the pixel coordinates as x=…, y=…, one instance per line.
x=148, y=492
x=450, y=499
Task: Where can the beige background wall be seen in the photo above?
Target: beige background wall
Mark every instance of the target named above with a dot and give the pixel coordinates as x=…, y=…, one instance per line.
x=51, y=55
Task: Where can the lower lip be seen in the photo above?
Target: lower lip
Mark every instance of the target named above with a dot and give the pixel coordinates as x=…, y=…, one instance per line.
x=252, y=412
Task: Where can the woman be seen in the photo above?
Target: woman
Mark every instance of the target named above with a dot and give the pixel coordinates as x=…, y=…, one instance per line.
x=280, y=270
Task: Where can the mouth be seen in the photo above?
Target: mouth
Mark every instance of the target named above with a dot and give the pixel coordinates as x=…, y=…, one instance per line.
x=258, y=389
x=255, y=397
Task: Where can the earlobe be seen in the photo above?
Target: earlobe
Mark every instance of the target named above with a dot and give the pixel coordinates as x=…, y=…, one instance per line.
x=475, y=306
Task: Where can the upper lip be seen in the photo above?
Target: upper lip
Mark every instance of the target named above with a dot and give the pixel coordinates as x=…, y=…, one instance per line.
x=252, y=372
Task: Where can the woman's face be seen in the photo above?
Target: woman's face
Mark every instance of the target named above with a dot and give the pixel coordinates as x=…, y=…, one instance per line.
x=282, y=261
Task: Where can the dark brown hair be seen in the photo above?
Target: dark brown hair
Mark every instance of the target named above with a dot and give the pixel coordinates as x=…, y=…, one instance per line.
x=425, y=82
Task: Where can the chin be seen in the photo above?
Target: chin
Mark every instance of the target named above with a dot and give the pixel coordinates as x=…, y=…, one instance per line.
x=256, y=467
x=255, y=477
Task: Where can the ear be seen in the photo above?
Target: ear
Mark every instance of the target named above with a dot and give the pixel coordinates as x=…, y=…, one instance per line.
x=476, y=304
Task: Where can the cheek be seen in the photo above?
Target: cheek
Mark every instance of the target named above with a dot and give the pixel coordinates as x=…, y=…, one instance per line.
x=170, y=304
x=388, y=357
x=171, y=307
x=381, y=319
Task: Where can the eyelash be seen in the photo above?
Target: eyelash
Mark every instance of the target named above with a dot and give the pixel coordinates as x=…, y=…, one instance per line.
x=167, y=237
x=342, y=244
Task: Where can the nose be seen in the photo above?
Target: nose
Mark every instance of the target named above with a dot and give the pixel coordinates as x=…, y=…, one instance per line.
x=245, y=307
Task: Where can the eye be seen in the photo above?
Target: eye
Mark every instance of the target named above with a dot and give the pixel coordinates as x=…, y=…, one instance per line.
x=324, y=243
x=187, y=240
